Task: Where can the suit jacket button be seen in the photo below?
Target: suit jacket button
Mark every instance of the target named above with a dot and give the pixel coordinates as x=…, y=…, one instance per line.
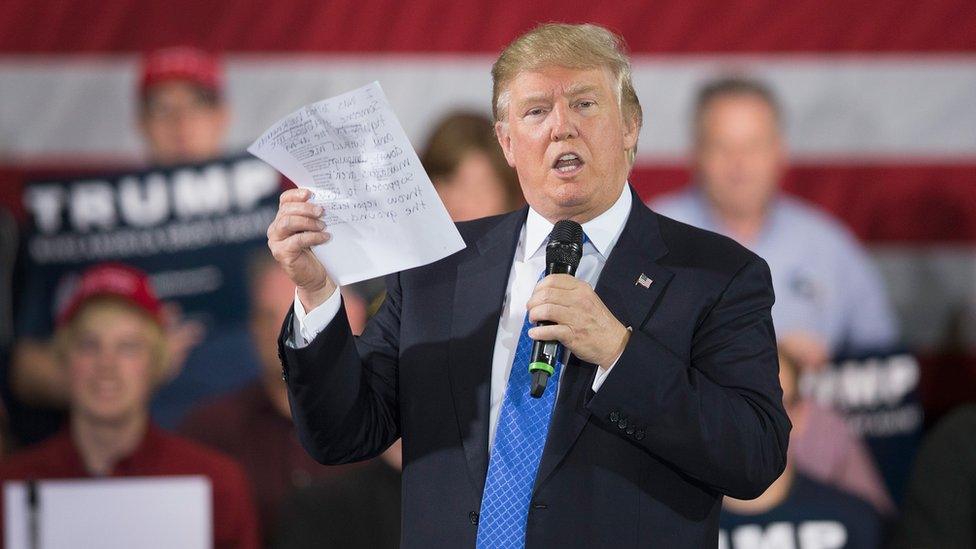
x=473, y=517
x=284, y=369
x=639, y=435
x=614, y=416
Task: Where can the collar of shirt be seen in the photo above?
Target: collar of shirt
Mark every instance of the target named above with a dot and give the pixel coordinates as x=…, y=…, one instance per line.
x=74, y=466
x=603, y=230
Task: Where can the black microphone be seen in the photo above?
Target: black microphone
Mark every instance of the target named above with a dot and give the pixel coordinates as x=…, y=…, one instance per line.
x=563, y=255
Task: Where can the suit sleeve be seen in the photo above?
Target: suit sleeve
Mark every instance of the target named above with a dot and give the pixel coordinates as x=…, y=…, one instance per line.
x=719, y=419
x=342, y=389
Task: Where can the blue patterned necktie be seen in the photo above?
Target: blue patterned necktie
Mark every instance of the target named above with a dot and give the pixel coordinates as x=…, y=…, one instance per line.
x=519, y=439
x=521, y=434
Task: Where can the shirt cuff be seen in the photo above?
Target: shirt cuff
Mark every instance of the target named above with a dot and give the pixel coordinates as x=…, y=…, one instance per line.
x=601, y=375
x=308, y=325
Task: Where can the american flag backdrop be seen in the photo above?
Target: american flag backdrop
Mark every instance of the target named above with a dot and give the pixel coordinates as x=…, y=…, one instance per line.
x=880, y=102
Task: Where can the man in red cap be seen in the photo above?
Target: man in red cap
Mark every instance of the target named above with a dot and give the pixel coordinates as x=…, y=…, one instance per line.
x=110, y=338
x=182, y=113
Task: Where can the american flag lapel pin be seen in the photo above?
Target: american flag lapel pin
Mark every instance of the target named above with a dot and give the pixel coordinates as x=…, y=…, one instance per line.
x=644, y=280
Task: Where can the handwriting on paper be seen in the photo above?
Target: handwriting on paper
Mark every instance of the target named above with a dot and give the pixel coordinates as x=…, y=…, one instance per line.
x=381, y=208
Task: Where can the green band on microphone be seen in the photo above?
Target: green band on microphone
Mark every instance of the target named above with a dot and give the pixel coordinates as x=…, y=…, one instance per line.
x=535, y=366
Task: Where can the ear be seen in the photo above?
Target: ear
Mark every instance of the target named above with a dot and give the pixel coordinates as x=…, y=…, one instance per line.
x=505, y=141
x=631, y=132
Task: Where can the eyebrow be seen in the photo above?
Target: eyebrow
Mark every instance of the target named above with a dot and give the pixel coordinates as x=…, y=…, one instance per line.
x=573, y=90
x=579, y=89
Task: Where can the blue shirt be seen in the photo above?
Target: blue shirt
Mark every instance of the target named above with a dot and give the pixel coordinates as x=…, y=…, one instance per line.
x=813, y=516
x=824, y=281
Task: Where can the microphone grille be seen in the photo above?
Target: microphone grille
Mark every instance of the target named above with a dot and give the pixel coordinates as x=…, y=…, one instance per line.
x=567, y=231
x=565, y=243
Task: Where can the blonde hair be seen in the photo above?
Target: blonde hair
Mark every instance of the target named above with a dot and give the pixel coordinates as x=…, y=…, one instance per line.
x=584, y=46
x=67, y=335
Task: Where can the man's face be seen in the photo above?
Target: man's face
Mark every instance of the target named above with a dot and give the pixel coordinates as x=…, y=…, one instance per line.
x=739, y=154
x=566, y=137
x=110, y=361
x=181, y=124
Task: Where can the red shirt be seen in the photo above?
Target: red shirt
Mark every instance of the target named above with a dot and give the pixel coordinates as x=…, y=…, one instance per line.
x=159, y=454
x=246, y=426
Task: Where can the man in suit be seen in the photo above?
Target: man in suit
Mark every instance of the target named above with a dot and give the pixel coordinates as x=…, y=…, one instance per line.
x=667, y=399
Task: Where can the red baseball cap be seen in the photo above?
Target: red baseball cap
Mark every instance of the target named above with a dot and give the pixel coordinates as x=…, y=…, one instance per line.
x=110, y=279
x=181, y=63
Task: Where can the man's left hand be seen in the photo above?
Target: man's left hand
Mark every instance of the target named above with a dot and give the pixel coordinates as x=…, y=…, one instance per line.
x=582, y=323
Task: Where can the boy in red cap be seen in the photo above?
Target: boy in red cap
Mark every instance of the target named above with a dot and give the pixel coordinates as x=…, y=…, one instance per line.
x=182, y=113
x=110, y=338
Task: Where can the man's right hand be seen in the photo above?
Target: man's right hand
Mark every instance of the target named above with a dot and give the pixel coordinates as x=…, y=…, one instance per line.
x=291, y=235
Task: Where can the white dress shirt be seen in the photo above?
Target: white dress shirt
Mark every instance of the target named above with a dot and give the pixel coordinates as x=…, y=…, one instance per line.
x=527, y=265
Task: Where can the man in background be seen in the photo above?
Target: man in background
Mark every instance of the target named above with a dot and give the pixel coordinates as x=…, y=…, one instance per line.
x=803, y=509
x=824, y=448
x=182, y=114
x=829, y=297
x=110, y=342
x=183, y=119
x=253, y=424
x=356, y=510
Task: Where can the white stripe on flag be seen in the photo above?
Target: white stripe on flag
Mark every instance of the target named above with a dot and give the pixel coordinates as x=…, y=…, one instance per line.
x=907, y=108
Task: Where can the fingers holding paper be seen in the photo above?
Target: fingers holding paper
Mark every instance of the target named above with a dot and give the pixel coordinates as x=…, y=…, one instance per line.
x=295, y=229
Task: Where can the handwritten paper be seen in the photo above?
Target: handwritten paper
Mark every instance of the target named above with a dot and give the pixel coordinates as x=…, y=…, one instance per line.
x=380, y=207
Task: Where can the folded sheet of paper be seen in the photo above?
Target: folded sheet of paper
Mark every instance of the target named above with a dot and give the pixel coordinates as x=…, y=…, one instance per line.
x=380, y=207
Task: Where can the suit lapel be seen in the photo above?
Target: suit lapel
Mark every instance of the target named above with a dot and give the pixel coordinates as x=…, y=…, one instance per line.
x=632, y=280
x=478, y=299
x=639, y=247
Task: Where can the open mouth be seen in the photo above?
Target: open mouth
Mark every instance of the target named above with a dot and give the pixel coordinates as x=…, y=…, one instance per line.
x=568, y=163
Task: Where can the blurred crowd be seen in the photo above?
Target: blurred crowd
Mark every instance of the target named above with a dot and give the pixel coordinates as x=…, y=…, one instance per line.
x=79, y=401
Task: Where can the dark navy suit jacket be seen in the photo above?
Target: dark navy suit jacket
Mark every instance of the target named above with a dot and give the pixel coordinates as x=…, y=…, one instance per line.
x=692, y=409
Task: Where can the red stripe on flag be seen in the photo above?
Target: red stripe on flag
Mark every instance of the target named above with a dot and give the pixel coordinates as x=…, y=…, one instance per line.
x=665, y=26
